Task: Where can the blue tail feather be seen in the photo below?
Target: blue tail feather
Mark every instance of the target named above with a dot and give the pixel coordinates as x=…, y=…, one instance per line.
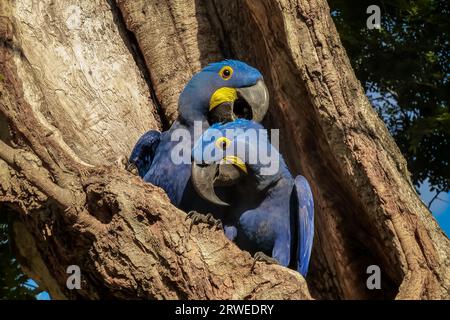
x=144, y=151
x=305, y=211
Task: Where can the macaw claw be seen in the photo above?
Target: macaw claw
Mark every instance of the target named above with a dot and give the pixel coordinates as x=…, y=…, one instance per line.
x=262, y=257
x=208, y=219
x=123, y=163
x=131, y=167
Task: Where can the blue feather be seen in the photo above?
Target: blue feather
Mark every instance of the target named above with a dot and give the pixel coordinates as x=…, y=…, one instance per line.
x=152, y=153
x=272, y=213
x=305, y=211
x=144, y=151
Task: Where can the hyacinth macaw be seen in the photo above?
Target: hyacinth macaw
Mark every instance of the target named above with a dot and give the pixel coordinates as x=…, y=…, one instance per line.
x=222, y=91
x=271, y=214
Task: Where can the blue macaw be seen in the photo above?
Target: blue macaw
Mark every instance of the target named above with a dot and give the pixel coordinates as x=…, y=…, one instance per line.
x=222, y=91
x=272, y=214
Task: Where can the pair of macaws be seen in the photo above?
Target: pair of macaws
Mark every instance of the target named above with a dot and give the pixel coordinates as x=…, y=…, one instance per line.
x=269, y=215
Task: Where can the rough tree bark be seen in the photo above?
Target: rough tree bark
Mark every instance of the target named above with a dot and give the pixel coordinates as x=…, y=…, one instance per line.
x=81, y=80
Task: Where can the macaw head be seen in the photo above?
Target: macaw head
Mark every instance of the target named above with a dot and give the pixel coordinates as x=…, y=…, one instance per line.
x=227, y=153
x=224, y=91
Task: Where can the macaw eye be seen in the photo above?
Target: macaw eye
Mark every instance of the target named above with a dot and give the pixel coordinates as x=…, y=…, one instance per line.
x=226, y=72
x=223, y=143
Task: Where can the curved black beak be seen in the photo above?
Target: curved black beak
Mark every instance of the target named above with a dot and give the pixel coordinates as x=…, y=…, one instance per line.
x=207, y=176
x=257, y=97
x=251, y=103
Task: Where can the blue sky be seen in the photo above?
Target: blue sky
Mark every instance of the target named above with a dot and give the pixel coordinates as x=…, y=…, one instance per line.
x=440, y=207
x=41, y=296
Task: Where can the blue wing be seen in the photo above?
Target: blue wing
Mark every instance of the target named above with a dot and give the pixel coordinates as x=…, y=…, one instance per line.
x=305, y=211
x=144, y=151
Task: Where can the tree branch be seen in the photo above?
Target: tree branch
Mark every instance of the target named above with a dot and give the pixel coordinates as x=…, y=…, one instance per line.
x=438, y=192
x=23, y=163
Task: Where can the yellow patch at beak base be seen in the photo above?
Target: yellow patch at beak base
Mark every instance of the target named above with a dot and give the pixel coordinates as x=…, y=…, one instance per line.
x=237, y=162
x=222, y=95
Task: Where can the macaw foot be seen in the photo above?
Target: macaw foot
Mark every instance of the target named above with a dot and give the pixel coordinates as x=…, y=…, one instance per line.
x=197, y=218
x=123, y=163
x=131, y=167
x=262, y=257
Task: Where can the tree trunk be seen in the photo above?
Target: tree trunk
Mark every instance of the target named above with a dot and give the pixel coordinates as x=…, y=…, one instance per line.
x=81, y=80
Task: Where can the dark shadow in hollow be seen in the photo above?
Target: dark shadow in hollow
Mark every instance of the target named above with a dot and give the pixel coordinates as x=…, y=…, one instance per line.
x=208, y=42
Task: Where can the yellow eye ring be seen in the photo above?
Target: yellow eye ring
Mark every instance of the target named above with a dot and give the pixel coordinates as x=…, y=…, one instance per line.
x=223, y=143
x=226, y=72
